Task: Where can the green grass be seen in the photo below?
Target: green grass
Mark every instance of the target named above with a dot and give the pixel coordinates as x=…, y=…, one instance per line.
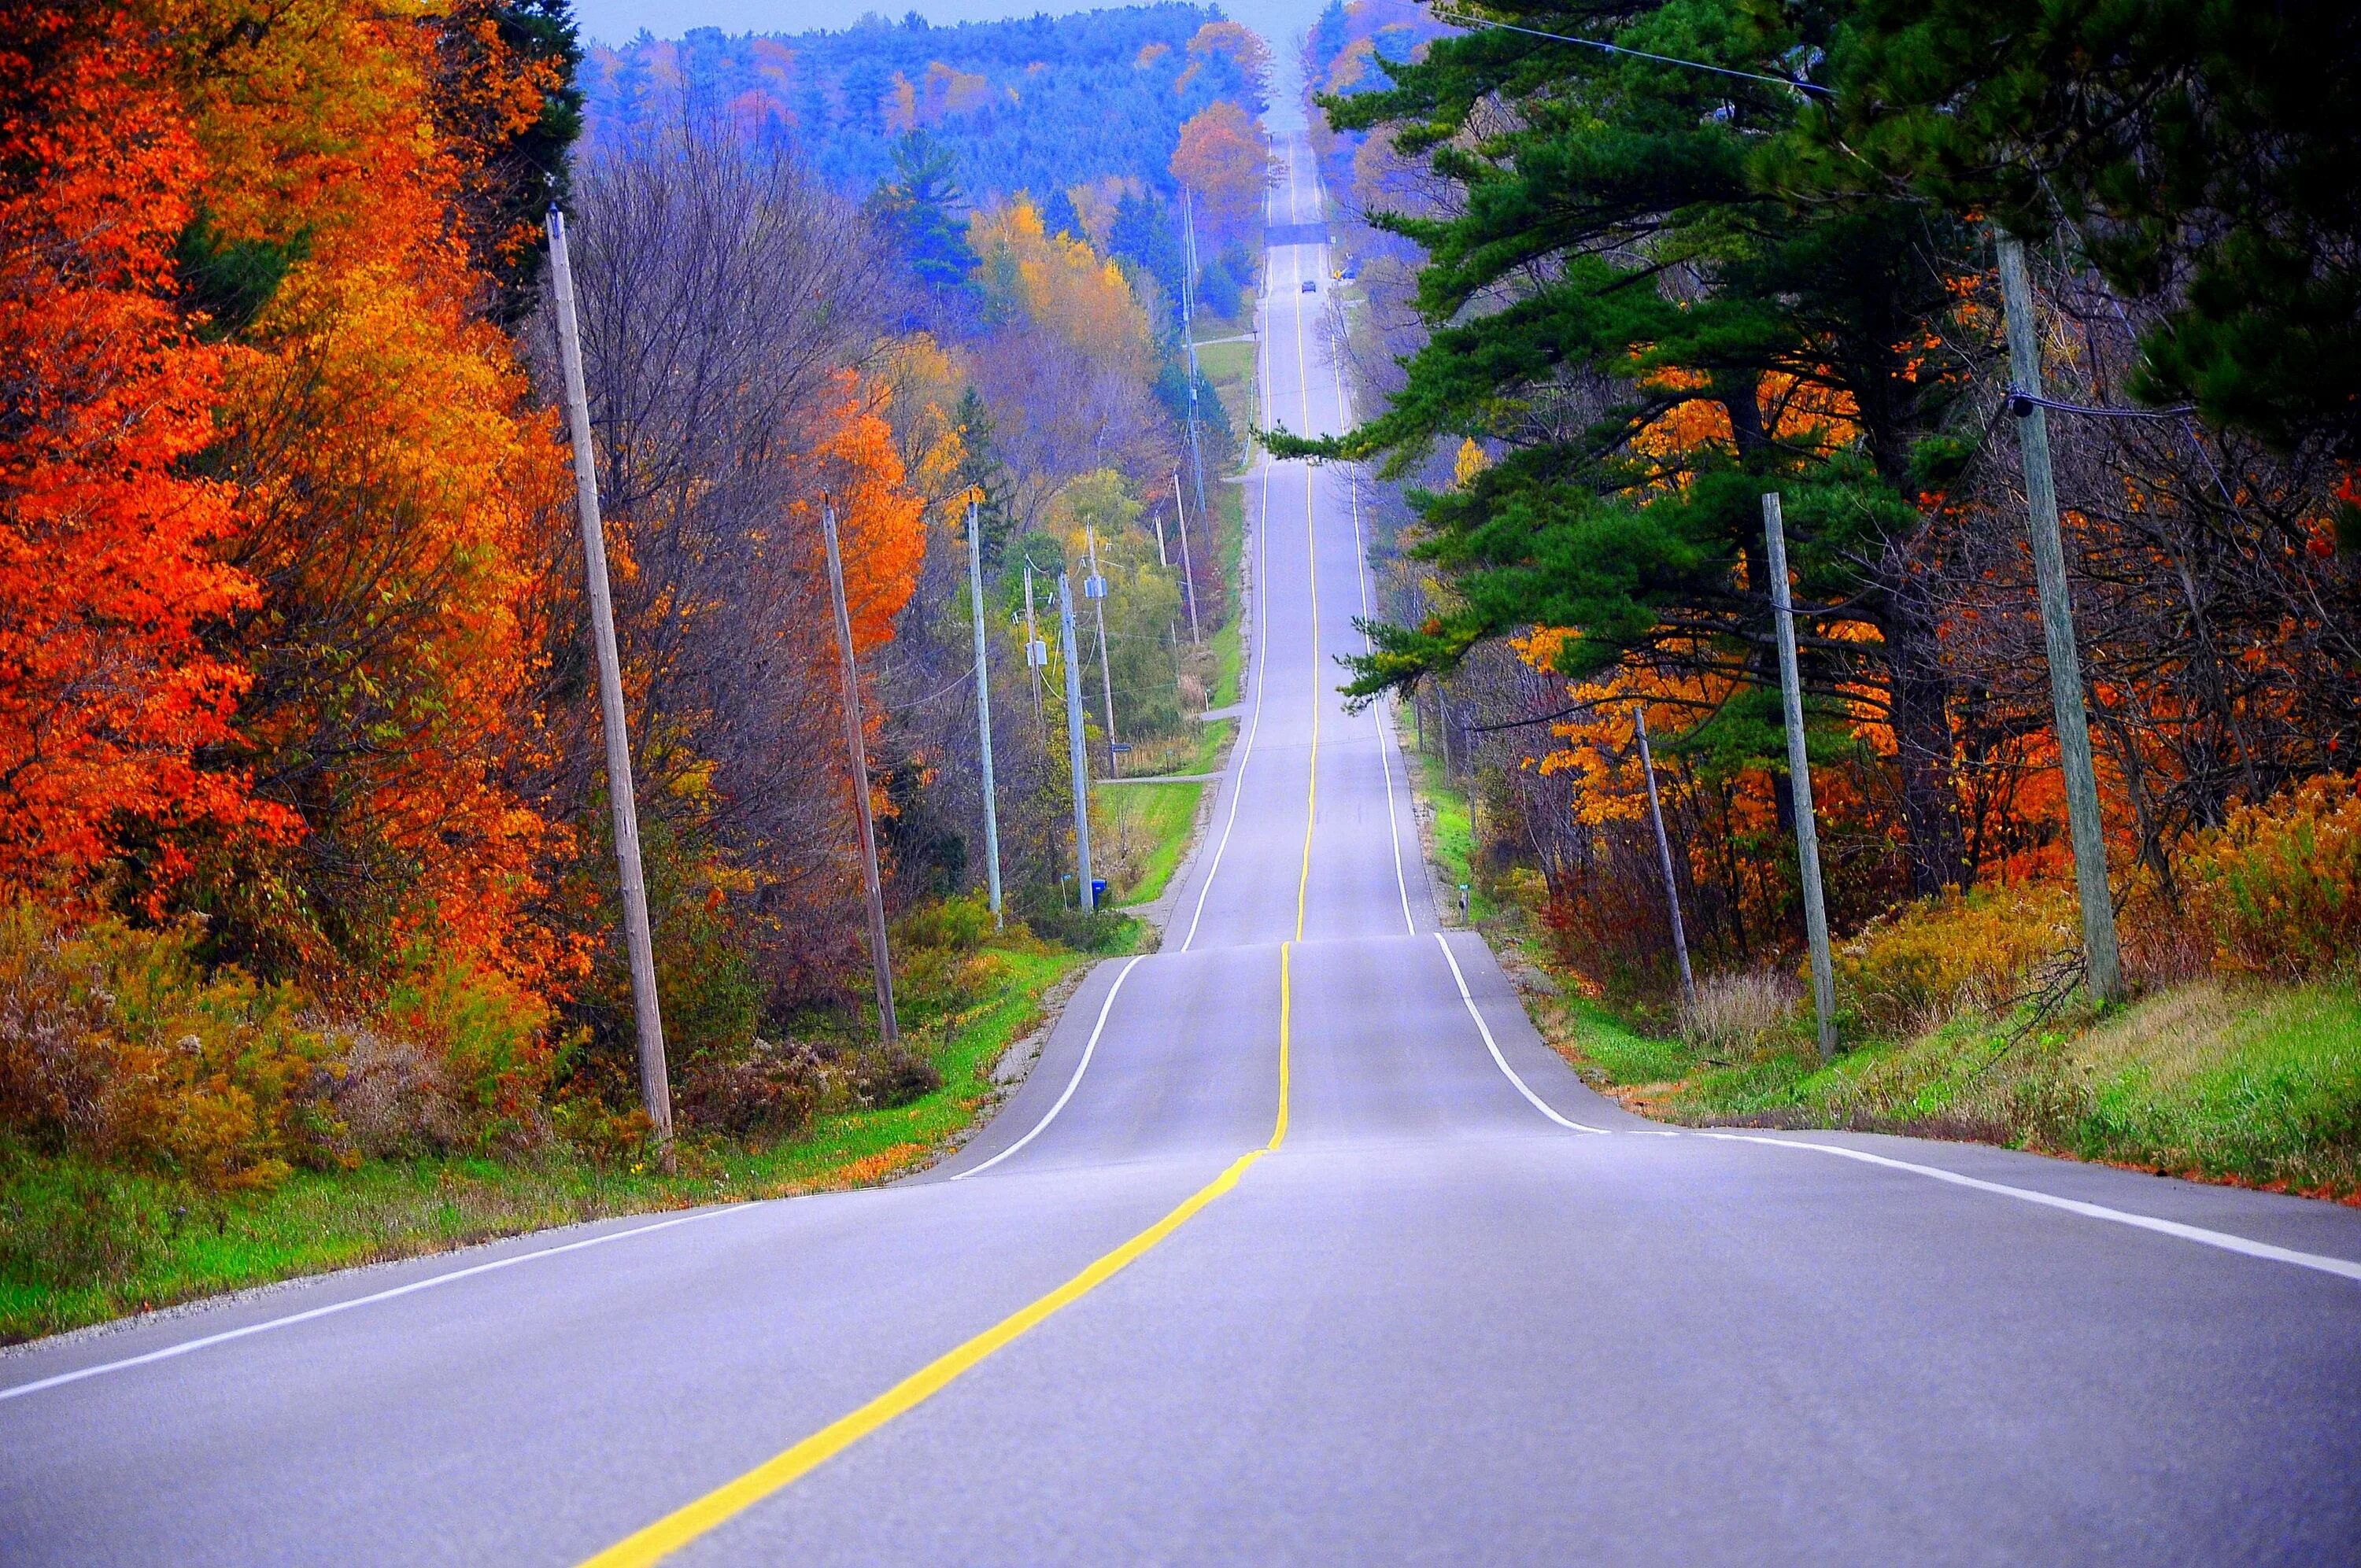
x=1162, y=814
x=1229, y=638
x=1453, y=835
x=2255, y=1084
x=1230, y=367
x=81, y=1242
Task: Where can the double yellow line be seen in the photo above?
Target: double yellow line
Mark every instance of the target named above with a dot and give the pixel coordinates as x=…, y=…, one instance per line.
x=724, y=1502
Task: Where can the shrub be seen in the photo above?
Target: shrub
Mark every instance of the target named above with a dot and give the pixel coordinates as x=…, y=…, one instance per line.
x=1911, y=970
x=765, y=1088
x=889, y=1078
x=1734, y=1013
x=116, y=1043
x=2278, y=887
x=951, y=924
x=488, y=1038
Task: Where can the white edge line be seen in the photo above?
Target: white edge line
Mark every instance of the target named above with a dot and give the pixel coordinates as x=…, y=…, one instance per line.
x=1383, y=710
x=1255, y=671
x=2222, y=1239
x=185, y=1346
x=1089, y=1048
x=1493, y=1045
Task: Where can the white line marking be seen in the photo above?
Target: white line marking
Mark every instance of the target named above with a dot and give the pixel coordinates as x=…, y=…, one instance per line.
x=1260, y=676
x=1089, y=1048
x=1493, y=1045
x=1382, y=710
x=2222, y=1239
x=333, y=1307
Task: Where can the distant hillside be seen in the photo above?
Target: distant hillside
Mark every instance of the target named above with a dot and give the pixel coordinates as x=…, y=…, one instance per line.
x=1042, y=105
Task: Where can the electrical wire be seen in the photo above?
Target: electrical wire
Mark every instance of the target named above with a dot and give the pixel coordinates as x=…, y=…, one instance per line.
x=952, y=684
x=2022, y=402
x=1460, y=19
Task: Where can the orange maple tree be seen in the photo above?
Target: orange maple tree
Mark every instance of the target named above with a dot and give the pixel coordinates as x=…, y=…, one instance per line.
x=108, y=576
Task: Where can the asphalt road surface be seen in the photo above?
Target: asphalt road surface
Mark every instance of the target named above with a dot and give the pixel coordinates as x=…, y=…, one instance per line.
x=1298, y=1246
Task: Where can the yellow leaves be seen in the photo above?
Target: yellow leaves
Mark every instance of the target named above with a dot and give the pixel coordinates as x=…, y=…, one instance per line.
x=1471, y=461
x=940, y=93
x=1061, y=283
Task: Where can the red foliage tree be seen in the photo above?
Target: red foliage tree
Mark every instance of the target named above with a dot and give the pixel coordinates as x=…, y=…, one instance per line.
x=107, y=578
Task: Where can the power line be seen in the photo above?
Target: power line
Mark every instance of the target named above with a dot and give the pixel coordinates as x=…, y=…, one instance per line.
x=2022, y=402
x=1460, y=19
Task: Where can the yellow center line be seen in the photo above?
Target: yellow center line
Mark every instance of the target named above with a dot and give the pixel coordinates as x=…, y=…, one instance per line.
x=727, y=1501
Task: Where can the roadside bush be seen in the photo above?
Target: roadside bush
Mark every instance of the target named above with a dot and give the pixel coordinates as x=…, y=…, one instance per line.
x=961, y=925
x=2278, y=888
x=1912, y=970
x=116, y=1043
x=884, y=1079
x=1735, y=1013
x=766, y=1089
x=488, y=1039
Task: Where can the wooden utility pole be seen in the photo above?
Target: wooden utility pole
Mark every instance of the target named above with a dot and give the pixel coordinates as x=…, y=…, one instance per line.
x=1037, y=654
x=1664, y=854
x=1188, y=572
x=647, y=1014
x=1799, y=774
x=1095, y=589
x=879, y=957
x=1189, y=336
x=983, y=709
x=2103, y=963
x=1076, y=750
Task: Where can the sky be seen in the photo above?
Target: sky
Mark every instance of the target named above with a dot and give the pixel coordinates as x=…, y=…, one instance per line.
x=1280, y=22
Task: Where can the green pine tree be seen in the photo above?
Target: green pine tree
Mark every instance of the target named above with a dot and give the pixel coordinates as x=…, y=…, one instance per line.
x=1630, y=246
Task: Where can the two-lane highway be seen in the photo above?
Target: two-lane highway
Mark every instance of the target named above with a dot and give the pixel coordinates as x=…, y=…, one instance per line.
x=1298, y=1246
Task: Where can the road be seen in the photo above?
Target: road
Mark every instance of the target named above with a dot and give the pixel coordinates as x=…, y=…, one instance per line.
x=1296, y=1245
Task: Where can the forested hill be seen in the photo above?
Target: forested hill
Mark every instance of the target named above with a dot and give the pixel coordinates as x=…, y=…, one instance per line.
x=1042, y=105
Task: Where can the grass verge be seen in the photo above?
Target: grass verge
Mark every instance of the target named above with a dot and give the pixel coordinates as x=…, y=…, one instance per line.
x=1230, y=367
x=2259, y=1085
x=81, y=1243
x=1450, y=833
x=2253, y=1084
x=1154, y=820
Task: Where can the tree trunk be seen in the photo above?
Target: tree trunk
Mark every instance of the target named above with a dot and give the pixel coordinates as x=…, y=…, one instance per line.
x=1919, y=694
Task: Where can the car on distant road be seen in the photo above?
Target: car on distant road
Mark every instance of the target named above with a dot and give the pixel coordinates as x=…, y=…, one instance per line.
x=1311, y=287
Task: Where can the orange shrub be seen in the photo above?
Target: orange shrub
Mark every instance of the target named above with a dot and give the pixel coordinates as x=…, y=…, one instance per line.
x=1917, y=967
x=2278, y=888
x=117, y=1042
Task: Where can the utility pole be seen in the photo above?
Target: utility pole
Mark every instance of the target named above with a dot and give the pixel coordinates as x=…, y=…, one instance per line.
x=1037, y=653
x=1077, y=754
x=1189, y=335
x=1664, y=854
x=879, y=958
x=1095, y=589
x=1188, y=572
x=647, y=1015
x=1799, y=775
x=2102, y=961
x=984, y=711
x=1161, y=558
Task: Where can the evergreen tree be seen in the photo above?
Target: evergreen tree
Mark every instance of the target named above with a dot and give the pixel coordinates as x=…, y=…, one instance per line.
x=1058, y=214
x=1627, y=308
x=2204, y=153
x=920, y=209
x=1145, y=233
